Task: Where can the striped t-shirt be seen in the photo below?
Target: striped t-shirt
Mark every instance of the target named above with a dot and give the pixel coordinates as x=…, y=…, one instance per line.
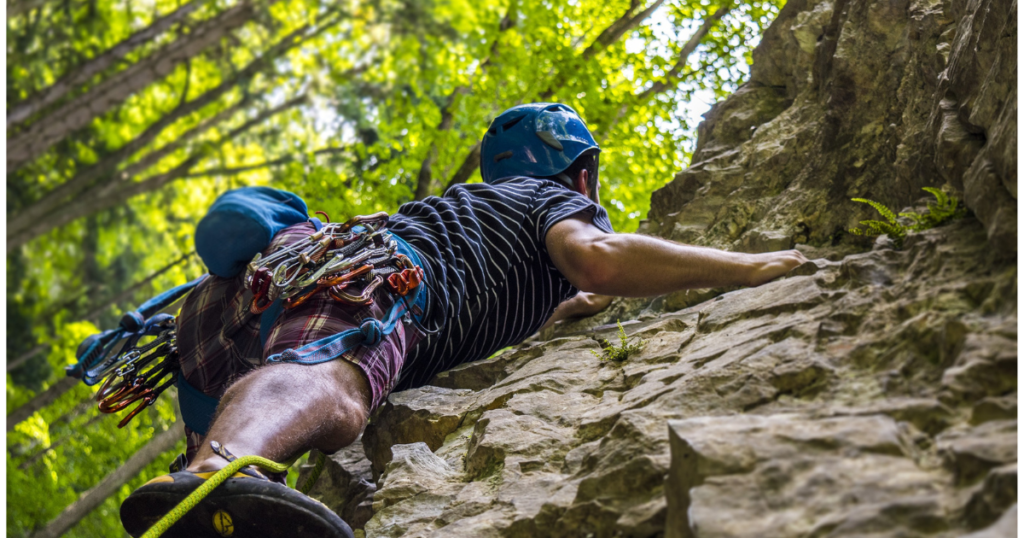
x=491, y=281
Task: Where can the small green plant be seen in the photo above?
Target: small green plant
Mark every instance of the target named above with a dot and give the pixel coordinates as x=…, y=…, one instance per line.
x=625, y=349
x=944, y=209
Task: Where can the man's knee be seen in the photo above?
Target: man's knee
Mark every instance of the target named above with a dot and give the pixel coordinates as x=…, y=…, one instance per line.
x=335, y=391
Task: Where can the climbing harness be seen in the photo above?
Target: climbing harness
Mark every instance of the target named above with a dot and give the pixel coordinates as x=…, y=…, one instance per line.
x=235, y=465
x=347, y=261
x=139, y=359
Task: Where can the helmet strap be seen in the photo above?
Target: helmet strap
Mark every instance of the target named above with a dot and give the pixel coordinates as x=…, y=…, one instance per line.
x=566, y=179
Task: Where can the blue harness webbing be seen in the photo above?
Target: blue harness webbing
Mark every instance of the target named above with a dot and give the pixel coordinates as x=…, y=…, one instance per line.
x=133, y=325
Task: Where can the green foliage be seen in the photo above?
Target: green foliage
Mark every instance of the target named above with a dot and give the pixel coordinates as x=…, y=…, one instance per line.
x=381, y=77
x=891, y=226
x=945, y=208
x=624, y=350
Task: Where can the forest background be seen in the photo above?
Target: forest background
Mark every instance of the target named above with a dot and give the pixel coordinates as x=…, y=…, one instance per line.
x=127, y=118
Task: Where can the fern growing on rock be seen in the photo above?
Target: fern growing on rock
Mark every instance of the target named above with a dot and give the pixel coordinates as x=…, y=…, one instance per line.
x=944, y=209
x=624, y=350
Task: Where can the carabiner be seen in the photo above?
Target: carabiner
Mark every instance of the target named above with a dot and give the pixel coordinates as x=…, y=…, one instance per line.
x=364, y=220
x=147, y=401
x=260, y=282
x=363, y=299
x=404, y=282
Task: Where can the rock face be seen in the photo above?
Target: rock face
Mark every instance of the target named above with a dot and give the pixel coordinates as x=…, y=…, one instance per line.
x=871, y=392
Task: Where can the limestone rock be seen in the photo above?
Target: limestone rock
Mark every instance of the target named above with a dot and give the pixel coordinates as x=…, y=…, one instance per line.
x=870, y=392
x=345, y=485
x=787, y=475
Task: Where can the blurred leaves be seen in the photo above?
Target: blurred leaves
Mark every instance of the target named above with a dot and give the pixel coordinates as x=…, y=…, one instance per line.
x=391, y=84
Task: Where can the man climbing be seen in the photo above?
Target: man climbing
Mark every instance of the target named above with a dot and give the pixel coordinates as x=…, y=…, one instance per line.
x=498, y=258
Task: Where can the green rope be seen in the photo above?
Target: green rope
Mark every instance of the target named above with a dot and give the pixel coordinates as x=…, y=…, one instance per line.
x=321, y=460
x=202, y=491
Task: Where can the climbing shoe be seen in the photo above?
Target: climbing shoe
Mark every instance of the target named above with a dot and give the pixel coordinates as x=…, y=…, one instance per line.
x=246, y=505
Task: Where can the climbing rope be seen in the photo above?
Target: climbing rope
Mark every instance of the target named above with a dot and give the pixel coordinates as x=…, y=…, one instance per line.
x=321, y=460
x=219, y=477
x=202, y=491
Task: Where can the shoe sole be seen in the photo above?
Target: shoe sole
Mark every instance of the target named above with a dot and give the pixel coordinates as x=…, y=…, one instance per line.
x=240, y=507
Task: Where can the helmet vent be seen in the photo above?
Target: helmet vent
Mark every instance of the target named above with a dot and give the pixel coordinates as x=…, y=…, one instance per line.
x=554, y=108
x=550, y=139
x=508, y=124
x=503, y=155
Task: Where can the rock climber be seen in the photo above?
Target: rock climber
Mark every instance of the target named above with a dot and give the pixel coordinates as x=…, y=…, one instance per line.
x=501, y=259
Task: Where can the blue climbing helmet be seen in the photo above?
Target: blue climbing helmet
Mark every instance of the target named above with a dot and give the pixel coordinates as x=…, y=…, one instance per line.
x=538, y=140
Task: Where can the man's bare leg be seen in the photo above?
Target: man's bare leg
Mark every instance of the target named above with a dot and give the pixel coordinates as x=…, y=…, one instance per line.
x=280, y=411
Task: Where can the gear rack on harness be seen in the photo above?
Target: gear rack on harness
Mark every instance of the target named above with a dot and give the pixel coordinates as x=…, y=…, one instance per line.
x=347, y=261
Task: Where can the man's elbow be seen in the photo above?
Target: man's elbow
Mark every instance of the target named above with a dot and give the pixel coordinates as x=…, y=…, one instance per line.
x=593, y=269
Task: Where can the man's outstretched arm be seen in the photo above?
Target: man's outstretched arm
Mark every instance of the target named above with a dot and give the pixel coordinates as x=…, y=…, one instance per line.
x=633, y=265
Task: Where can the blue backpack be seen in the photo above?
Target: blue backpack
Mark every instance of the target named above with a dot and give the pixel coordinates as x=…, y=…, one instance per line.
x=241, y=223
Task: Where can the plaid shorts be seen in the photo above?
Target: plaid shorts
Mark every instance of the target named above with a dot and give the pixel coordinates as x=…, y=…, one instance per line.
x=219, y=338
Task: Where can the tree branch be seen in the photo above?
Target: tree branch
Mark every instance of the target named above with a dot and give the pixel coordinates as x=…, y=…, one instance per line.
x=115, y=193
x=17, y=8
x=469, y=165
x=112, y=482
x=424, y=180
x=24, y=357
x=77, y=113
x=52, y=446
x=49, y=203
x=41, y=400
x=629, y=20
x=684, y=55
x=83, y=73
x=230, y=171
x=127, y=292
x=672, y=76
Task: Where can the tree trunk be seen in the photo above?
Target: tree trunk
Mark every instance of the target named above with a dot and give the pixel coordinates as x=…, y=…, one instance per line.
x=424, y=180
x=77, y=113
x=49, y=203
x=118, y=192
x=82, y=74
x=54, y=445
x=470, y=164
x=629, y=20
x=156, y=155
x=26, y=356
x=112, y=482
x=127, y=292
x=40, y=401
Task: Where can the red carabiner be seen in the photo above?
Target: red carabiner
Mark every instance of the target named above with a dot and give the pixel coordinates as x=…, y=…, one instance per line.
x=133, y=395
x=261, y=282
x=107, y=404
x=146, y=402
x=405, y=281
x=325, y=283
